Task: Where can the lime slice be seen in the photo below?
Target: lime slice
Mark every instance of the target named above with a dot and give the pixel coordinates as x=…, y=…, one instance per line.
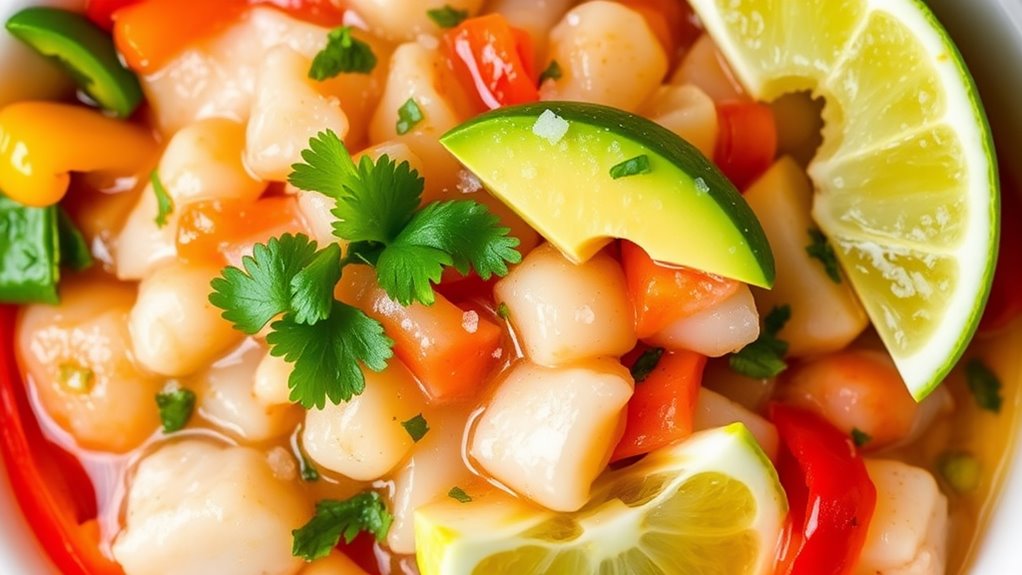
x=906, y=182
x=710, y=505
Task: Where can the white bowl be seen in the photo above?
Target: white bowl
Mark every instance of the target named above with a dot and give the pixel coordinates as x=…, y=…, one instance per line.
x=989, y=33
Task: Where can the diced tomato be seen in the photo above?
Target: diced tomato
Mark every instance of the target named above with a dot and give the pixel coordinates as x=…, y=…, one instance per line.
x=450, y=350
x=830, y=495
x=226, y=231
x=661, y=410
x=493, y=60
x=746, y=141
x=102, y=11
x=662, y=294
x=459, y=288
x=1005, y=302
x=51, y=487
x=150, y=33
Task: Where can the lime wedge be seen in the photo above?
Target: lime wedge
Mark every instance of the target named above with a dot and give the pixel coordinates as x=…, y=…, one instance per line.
x=711, y=505
x=906, y=183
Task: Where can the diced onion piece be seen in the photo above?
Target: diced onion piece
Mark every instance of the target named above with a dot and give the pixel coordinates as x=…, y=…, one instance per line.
x=547, y=433
x=723, y=329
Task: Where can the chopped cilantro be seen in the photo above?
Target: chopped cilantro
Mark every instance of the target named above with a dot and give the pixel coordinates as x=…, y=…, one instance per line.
x=175, y=408
x=408, y=115
x=342, y=54
x=336, y=519
x=631, y=167
x=164, y=203
x=459, y=495
x=763, y=358
x=552, y=72
x=646, y=363
x=328, y=355
x=503, y=312
x=416, y=427
x=962, y=471
x=860, y=438
x=820, y=249
x=984, y=386
x=448, y=16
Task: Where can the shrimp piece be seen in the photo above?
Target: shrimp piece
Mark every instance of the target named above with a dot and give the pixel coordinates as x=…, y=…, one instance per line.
x=78, y=356
x=854, y=390
x=705, y=68
x=713, y=332
x=271, y=375
x=909, y=530
x=198, y=508
x=715, y=410
x=404, y=20
x=688, y=112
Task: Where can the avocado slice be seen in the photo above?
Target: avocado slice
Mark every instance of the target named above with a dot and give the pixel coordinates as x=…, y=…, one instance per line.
x=85, y=51
x=583, y=174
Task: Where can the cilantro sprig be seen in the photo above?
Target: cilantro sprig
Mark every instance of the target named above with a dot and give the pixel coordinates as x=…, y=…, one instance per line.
x=764, y=357
x=378, y=212
x=288, y=282
x=343, y=53
x=335, y=519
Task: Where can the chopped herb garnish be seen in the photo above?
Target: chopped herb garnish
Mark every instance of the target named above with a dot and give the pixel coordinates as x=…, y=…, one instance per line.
x=764, y=358
x=860, y=438
x=336, y=519
x=820, y=249
x=343, y=54
x=164, y=203
x=962, y=471
x=448, y=16
x=459, y=495
x=552, y=72
x=984, y=386
x=646, y=363
x=416, y=427
x=175, y=408
x=503, y=312
x=631, y=167
x=408, y=115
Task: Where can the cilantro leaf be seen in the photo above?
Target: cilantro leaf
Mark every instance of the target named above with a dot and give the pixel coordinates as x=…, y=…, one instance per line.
x=819, y=248
x=448, y=16
x=335, y=519
x=459, y=495
x=860, y=438
x=406, y=272
x=552, y=72
x=503, y=312
x=469, y=232
x=764, y=358
x=379, y=202
x=417, y=427
x=328, y=356
x=164, y=203
x=646, y=363
x=408, y=115
x=343, y=53
x=327, y=165
x=312, y=289
x=984, y=386
x=631, y=167
x=175, y=408
x=252, y=297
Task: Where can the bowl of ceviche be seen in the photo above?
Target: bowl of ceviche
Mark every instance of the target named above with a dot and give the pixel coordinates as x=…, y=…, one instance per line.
x=329, y=287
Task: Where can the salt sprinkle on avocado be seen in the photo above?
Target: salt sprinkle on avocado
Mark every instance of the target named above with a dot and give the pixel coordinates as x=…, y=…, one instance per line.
x=550, y=127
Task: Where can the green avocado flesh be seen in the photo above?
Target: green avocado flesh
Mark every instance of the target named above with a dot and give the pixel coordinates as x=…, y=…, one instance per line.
x=84, y=51
x=682, y=210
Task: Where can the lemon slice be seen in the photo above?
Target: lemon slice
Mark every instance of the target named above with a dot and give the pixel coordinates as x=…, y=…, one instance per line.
x=906, y=182
x=710, y=505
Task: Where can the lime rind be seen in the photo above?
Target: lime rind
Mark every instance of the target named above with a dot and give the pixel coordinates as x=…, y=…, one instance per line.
x=924, y=366
x=455, y=539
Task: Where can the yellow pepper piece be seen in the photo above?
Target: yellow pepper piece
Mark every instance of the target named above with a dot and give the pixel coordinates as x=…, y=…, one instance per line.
x=42, y=142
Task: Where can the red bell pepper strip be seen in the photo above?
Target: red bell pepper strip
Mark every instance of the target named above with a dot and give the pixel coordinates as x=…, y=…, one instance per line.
x=1005, y=302
x=830, y=495
x=53, y=491
x=746, y=141
x=661, y=410
x=493, y=61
